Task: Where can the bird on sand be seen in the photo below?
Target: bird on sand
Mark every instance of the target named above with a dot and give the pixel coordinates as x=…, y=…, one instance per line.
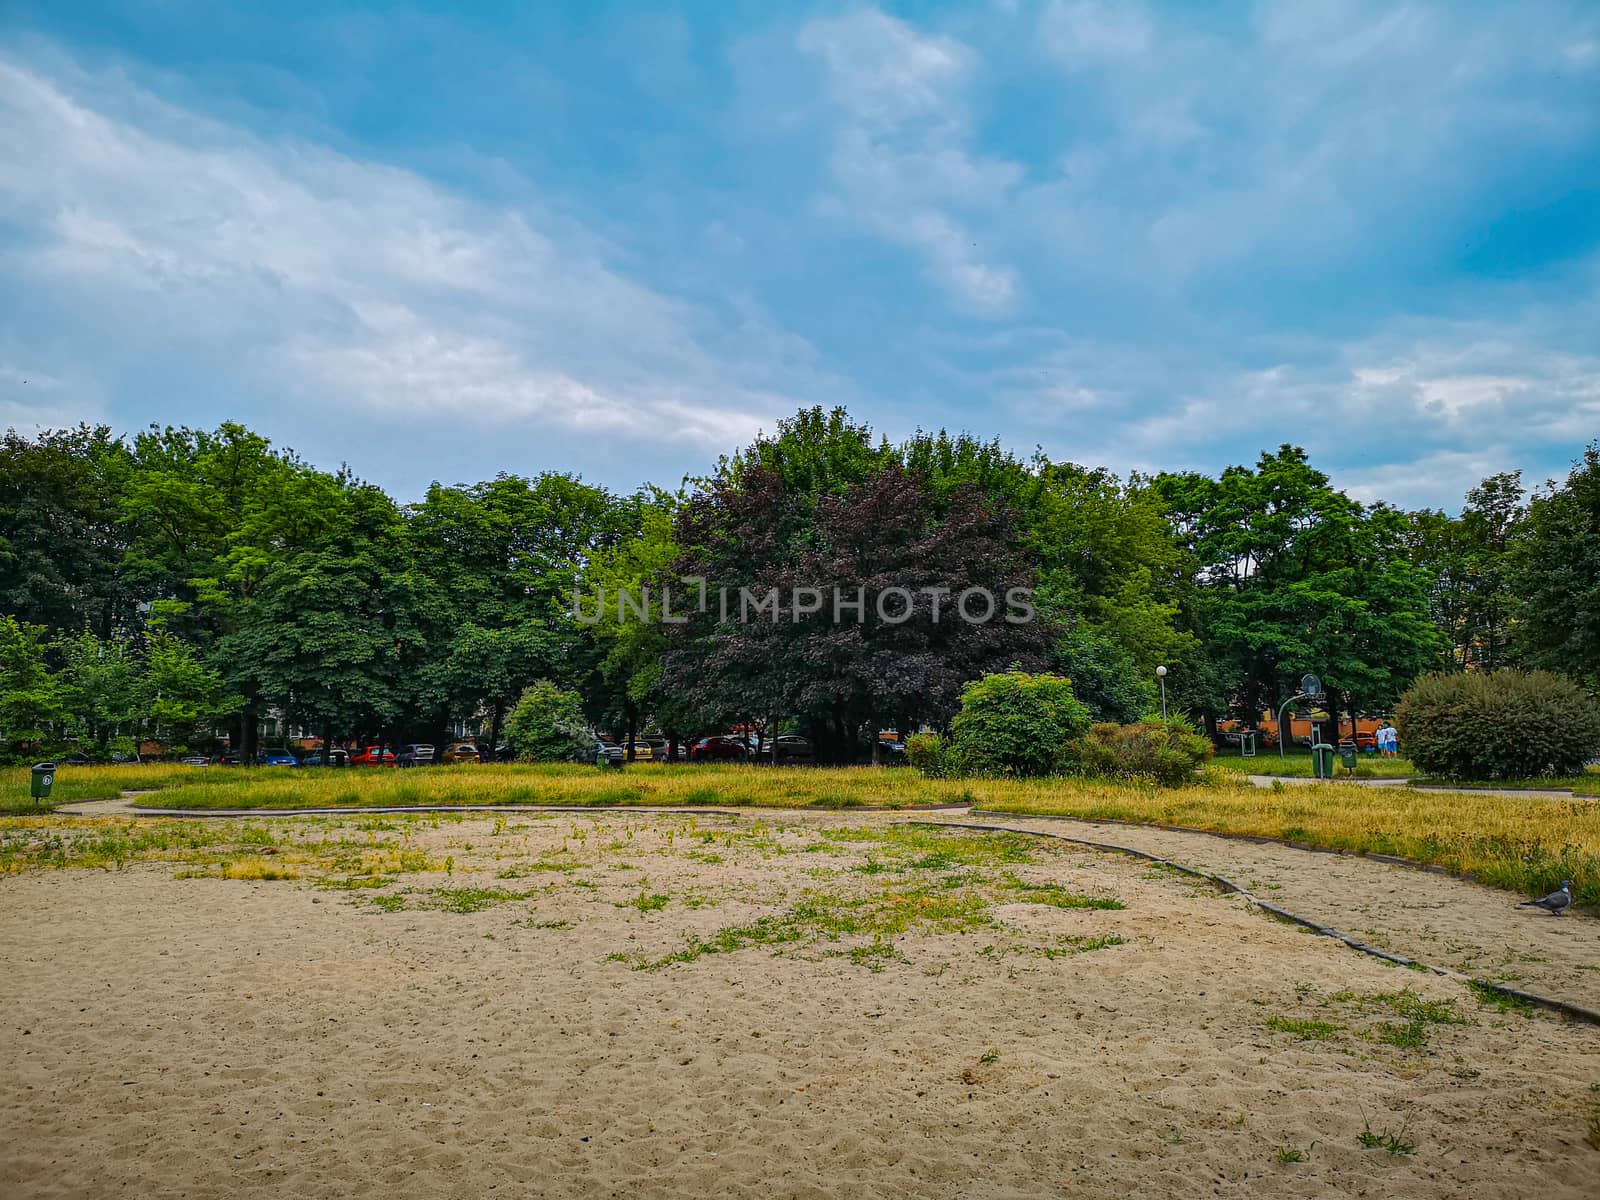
x=1556, y=902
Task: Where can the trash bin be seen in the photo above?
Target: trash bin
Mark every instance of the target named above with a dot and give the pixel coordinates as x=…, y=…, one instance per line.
x=1322, y=760
x=1347, y=756
x=1247, y=745
x=44, y=777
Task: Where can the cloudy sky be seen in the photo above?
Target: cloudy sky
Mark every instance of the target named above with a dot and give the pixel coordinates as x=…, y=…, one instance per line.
x=442, y=241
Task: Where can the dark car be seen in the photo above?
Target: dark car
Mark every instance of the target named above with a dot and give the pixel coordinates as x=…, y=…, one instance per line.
x=792, y=749
x=336, y=758
x=718, y=749
x=417, y=755
x=79, y=759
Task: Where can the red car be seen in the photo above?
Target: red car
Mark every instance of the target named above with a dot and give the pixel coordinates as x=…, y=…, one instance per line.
x=373, y=756
x=718, y=749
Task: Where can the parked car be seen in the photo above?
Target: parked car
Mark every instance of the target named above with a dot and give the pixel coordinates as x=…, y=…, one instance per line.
x=336, y=758
x=792, y=748
x=195, y=760
x=276, y=756
x=643, y=752
x=592, y=752
x=718, y=749
x=76, y=759
x=417, y=755
x=460, y=752
x=373, y=756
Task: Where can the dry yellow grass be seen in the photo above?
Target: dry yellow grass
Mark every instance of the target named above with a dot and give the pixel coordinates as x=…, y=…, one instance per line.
x=1526, y=844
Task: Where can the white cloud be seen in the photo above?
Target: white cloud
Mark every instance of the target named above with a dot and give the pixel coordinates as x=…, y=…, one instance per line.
x=346, y=283
x=900, y=162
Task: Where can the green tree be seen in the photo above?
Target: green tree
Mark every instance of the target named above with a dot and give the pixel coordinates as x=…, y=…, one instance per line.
x=1556, y=567
x=1018, y=724
x=30, y=695
x=184, y=697
x=547, y=725
x=101, y=688
x=61, y=541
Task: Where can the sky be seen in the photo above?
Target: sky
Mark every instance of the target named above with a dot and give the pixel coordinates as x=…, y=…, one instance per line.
x=439, y=242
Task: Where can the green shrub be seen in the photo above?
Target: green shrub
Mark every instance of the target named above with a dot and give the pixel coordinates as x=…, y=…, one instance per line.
x=1505, y=725
x=547, y=725
x=1167, y=752
x=932, y=755
x=1017, y=724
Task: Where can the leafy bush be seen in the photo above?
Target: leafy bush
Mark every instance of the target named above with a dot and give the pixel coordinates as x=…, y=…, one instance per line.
x=932, y=755
x=1505, y=725
x=1167, y=752
x=547, y=725
x=1017, y=724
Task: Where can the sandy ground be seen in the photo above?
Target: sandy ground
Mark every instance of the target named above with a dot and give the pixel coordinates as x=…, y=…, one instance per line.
x=1427, y=916
x=209, y=1037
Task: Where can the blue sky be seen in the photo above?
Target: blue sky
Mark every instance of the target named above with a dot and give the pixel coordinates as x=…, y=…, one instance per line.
x=442, y=241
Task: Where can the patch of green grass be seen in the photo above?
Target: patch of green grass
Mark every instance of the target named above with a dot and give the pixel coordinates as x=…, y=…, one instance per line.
x=1494, y=998
x=648, y=901
x=523, y=870
x=388, y=904
x=882, y=914
x=988, y=1056
x=1394, y=1143
x=535, y=923
x=1306, y=1031
x=353, y=883
x=1293, y=1154
x=1072, y=944
x=1056, y=896
x=471, y=899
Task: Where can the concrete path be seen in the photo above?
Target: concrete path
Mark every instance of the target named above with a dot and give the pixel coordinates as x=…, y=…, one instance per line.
x=1266, y=781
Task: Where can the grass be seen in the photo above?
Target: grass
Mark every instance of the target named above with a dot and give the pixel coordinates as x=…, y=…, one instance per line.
x=1394, y=1143
x=73, y=784
x=1523, y=844
x=1306, y=1031
x=1586, y=784
x=1298, y=765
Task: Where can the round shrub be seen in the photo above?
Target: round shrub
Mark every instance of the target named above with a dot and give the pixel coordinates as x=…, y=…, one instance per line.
x=1164, y=751
x=1504, y=725
x=1017, y=724
x=931, y=754
x=547, y=725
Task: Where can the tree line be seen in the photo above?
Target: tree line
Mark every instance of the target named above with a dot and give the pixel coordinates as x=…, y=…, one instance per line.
x=180, y=584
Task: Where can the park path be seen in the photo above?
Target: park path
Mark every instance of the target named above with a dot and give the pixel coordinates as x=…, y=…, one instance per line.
x=1425, y=915
x=1266, y=781
x=1428, y=916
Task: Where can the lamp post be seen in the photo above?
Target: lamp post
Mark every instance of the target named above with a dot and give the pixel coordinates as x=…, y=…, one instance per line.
x=1161, y=674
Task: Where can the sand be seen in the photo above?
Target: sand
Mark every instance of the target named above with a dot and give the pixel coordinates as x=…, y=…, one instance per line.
x=213, y=1037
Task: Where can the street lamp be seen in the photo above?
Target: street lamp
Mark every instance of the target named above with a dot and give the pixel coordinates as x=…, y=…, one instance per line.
x=1161, y=674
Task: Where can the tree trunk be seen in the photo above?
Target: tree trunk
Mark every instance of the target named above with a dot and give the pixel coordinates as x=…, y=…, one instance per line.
x=633, y=730
x=495, y=726
x=327, y=742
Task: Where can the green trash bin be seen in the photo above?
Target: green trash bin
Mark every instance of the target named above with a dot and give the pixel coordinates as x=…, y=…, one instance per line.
x=1322, y=760
x=1347, y=756
x=44, y=778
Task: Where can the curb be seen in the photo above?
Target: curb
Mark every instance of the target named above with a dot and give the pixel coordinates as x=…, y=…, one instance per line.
x=1574, y=1012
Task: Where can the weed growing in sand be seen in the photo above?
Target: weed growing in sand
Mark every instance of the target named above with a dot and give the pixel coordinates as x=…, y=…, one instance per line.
x=534, y=923
x=988, y=1056
x=1491, y=997
x=1055, y=895
x=471, y=900
x=647, y=901
x=1394, y=1143
x=1306, y=1031
x=1293, y=1154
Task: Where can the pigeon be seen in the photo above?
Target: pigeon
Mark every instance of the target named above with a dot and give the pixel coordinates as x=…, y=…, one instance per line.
x=1556, y=902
